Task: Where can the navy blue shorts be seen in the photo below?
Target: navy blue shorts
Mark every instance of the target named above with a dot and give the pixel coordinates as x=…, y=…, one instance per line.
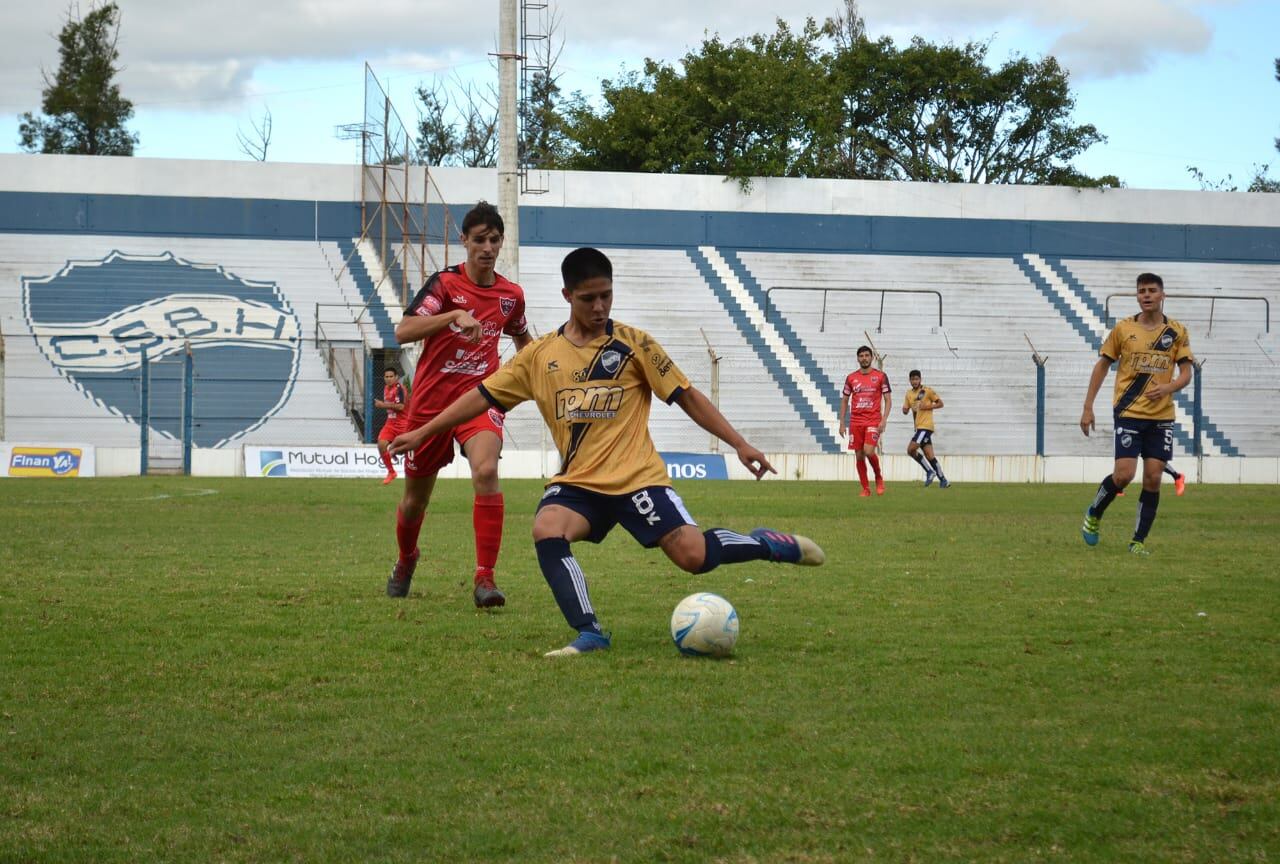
x=648, y=514
x=1150, y=439
x=923, y=437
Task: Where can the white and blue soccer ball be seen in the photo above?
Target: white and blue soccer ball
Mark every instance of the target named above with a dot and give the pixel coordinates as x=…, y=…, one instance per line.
x=705, y=625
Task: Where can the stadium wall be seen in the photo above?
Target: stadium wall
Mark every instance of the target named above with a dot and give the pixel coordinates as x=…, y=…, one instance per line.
x=92, y=205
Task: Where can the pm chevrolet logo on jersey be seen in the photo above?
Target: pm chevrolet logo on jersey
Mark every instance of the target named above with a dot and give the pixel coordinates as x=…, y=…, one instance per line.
x=95, y=320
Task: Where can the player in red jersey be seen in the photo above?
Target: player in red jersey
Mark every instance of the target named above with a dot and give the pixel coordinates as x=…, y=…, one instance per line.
x=865, y=404
x=393, y=402
x=459, y=316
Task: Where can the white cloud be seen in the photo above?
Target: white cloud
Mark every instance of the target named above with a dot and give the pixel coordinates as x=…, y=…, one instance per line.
x=183, y=52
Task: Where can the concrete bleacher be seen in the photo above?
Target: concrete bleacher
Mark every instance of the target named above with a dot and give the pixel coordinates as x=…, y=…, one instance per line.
x=40, y=403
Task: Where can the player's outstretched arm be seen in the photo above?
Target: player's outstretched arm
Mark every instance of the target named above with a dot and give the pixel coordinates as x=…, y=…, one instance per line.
x=1099, y=374
x=708, y=416
x=468, y=405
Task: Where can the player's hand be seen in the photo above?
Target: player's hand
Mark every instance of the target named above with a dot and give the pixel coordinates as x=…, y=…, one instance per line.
x=406, y=442
x=1086, y=421
x=466, y=325
x=1158, y=391
x=754, y=461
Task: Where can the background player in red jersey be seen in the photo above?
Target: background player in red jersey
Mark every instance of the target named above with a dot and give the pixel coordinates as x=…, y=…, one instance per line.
x=393, y=402
x=459, y=316
x=865, y=403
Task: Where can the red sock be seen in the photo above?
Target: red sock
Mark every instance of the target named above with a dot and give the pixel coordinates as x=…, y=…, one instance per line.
x=862, y=472
x=386, y=460
x=486, y=518
x=875, y=464
x=407, y=534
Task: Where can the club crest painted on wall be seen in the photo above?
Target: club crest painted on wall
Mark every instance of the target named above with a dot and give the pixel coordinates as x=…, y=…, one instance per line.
x=94, y=321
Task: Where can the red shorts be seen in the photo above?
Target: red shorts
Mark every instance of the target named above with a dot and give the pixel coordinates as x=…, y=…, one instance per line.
x=392, y=428
x=437, y=452
x=860, y=435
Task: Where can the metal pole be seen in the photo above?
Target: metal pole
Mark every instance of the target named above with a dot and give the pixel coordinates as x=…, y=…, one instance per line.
x=188, y=421
x=1040, y=392
x=508, y=164
x=1196, y=413
x=368, y=396
x=144, y=411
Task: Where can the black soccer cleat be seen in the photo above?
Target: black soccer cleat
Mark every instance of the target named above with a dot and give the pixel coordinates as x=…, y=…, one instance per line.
x=401, y=576
x=487, y=595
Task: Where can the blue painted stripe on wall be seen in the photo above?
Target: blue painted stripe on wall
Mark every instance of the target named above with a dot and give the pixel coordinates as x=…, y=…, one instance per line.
x=577, y=226
x=369, y=294
x=772, y=365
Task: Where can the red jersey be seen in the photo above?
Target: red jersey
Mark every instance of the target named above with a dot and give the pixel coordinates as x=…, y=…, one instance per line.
x=450, y=365
x=393, y=394
x=866, y=396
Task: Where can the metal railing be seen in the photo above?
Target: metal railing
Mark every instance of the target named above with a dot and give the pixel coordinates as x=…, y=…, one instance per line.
x=1211, y=297
x=822, y=326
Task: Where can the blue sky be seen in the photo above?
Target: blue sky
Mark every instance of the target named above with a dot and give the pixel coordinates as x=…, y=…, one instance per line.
x=1171, y=83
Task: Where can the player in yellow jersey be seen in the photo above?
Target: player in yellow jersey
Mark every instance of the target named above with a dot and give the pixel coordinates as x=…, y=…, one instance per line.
x=594, y=380
x=923, y=401
x=1147, y=348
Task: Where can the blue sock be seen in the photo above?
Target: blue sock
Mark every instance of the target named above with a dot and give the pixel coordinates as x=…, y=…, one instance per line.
x=729, y=547
x=1106, y=494
x=919, y=457
x=1148, y=503
x=567, y=582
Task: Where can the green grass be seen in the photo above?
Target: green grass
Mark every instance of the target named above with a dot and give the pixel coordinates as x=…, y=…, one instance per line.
x=219, y=677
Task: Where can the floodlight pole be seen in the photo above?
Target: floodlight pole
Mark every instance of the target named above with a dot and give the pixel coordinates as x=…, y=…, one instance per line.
x=508, y=166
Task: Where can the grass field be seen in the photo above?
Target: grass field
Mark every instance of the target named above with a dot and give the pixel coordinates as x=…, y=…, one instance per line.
x=207, y=670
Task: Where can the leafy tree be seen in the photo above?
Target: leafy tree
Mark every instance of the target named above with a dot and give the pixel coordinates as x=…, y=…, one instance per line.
x=84, y=111
x=752, y=107
x=829, y=102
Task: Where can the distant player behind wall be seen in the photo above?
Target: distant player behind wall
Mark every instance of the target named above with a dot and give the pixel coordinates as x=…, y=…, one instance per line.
x=923, y=401
x=864, y=403
x=393, y=401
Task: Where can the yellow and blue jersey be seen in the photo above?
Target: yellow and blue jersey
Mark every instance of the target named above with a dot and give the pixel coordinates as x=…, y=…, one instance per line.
x=595, y=399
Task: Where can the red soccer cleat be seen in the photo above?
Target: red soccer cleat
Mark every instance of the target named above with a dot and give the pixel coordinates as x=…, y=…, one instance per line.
x=391, y=475
x=865, y=493
x=879, y=485
x=1180, y=485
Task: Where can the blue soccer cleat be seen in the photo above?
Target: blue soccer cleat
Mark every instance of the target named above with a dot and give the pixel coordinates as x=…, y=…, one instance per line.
x=1089, y=530
x=944, y=483
x=929, y=477
x=586, y=641
x=790, y=548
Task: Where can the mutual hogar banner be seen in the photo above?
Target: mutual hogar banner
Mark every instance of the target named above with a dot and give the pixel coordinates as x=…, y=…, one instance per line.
x=353, y=461
x=46, y=460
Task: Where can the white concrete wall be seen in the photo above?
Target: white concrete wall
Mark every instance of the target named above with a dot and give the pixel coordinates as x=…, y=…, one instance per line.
x=305, y=182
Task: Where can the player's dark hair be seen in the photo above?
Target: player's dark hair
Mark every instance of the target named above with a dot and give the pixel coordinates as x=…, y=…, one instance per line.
x=484, y=214
x=914, y=373
x=866, y=348
x=583, y=264
x=1150, y=279
x=393, y=370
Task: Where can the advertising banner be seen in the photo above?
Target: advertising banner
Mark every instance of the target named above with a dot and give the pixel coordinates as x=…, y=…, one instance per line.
x=695, y=466
x=46, y=460
x=314, y=462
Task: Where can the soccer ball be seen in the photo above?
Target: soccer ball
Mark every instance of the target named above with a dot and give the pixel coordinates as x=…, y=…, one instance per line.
x=705, y=625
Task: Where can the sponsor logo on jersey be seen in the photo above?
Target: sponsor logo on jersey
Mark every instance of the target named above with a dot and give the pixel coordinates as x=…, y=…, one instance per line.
x=661, y=363
x=44, y=462
x=588, y=403
x=551, y=490
x=95, y=321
